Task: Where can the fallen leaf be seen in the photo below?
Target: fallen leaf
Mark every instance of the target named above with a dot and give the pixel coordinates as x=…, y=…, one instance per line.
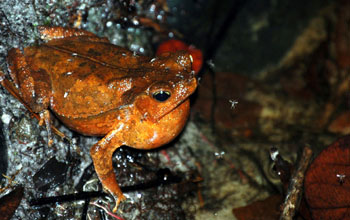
x=267, y=209
x=327, y=183
x=10, y=202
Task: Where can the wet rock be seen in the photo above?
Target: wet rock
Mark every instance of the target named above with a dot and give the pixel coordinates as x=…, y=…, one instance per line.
x=23, y=130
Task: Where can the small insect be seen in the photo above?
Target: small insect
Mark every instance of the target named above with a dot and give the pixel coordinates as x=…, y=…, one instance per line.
x=233, y=103
x=341, y=178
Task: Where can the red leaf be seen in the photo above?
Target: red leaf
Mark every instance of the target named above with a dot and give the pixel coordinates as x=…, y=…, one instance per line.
x=327, y=183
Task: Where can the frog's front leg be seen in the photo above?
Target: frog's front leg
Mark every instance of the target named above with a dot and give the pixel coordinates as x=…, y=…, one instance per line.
x=101, y=154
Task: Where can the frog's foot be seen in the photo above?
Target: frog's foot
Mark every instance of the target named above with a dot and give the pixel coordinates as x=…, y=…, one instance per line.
x=117, y=200
x=45, y=118
x=110, y=185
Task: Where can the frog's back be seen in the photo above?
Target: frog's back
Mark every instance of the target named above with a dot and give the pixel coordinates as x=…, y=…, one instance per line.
x=87, y=78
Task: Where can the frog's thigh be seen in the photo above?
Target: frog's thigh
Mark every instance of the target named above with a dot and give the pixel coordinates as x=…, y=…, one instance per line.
x=50, y=33
x=34, y=85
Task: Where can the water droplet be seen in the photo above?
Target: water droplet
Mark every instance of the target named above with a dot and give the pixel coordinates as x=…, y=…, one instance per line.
x=152, y=8
x=135, y=22
x=109, y=24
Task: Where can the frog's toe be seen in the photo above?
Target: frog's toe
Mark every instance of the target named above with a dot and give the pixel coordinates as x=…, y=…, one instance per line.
x=117, y=202
x=45, y=118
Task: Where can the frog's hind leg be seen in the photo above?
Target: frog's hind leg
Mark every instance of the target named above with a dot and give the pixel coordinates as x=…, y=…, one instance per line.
x=34, y=87
x=12, y=89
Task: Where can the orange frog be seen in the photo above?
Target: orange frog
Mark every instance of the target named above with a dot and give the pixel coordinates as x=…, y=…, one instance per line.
x=100, y=89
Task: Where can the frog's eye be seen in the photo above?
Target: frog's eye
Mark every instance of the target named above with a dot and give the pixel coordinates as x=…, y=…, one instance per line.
x=161, y=95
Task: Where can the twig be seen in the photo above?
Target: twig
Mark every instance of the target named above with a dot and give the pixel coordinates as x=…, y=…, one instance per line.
x=109, y=212
x=216, y=41
x=292, y=200
x=163, y=177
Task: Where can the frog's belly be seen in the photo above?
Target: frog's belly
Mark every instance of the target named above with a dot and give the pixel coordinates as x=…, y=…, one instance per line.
x=98, y=125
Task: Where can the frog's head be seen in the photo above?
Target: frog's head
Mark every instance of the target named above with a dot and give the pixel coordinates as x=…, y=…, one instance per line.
x=171, y=82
